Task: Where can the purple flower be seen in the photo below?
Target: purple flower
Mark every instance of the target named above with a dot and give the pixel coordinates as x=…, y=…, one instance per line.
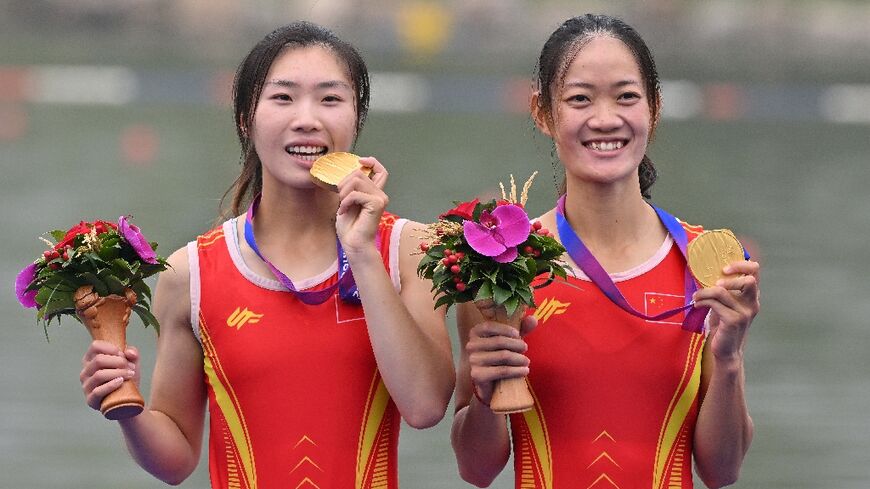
x=498, y=233
x=133, y=236
x=24, y=278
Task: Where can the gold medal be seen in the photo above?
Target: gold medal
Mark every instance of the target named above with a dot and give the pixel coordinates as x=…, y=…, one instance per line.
x=331, y=168
x=712, y=251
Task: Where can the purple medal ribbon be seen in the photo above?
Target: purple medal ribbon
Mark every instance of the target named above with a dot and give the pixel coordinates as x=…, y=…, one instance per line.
x=694, y=320
x=347, y=288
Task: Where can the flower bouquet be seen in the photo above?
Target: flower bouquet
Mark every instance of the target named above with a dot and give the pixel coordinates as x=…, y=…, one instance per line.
x=491, y=253
x=95, y=273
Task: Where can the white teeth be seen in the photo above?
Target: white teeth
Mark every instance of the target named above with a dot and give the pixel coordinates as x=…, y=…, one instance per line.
x=307, y=150
x=605, y=146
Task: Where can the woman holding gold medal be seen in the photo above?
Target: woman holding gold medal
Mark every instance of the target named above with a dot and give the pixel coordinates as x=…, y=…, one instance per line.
x=630, y=385
x=307, y=367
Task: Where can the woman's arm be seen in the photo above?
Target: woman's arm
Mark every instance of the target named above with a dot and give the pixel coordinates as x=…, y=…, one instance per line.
x=166, y=438
x=724, y=428
x=408, y=335
x=490, y=351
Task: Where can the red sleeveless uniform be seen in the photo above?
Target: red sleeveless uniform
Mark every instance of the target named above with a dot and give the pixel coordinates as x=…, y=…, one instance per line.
x=616, y=397
x=295, y=396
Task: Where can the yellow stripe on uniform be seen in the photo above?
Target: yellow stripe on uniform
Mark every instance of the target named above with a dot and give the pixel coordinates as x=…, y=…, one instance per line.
x=374, y=414
x=228, y=404
x=678, y=410
x=540, y=440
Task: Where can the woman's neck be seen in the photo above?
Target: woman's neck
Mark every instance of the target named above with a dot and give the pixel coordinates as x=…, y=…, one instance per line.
x=295, y=215
x=615, y=223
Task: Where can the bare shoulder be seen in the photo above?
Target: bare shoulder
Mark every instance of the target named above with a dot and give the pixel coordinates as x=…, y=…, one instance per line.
x=413, y=230
x=410, y=239
x=172, y=294
x=547, y=219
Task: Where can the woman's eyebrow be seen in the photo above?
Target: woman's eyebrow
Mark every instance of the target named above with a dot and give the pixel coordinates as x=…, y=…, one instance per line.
x=619, y=84
x=319, y=86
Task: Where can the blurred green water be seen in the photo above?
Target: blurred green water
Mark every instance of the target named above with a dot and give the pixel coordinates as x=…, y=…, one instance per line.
x=795, y=191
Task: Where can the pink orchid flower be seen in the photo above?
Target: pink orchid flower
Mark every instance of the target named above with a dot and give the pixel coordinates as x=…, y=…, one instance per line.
x=498, y=233
x=133, y=236
x=25, y=297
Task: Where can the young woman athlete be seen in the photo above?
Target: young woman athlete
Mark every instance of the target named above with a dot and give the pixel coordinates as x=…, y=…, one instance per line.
x=621, y=399
x=306, y=367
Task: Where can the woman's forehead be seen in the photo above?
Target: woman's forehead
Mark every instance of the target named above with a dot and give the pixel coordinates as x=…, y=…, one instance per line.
x=314, y=64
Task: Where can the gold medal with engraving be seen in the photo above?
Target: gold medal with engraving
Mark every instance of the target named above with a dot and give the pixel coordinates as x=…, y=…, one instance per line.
x=712, y=251
x=331, y=168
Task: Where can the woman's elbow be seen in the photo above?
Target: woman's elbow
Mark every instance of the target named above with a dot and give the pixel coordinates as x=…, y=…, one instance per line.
x=721, y=478
x=717, y=483
x=423, y=417
x=173, y=475
x=426, y=413
x=475, y=477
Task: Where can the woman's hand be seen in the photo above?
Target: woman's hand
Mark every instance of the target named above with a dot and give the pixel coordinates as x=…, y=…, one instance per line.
x=733, y=303
x=362, y=203
x=496, y=351
x=105, y=368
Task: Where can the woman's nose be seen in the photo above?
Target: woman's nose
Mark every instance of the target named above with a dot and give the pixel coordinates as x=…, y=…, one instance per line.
x=605, y=118
x=305, y=118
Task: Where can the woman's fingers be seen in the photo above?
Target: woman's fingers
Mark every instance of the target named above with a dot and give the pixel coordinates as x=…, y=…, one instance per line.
x=104, y=368
x=379, y=173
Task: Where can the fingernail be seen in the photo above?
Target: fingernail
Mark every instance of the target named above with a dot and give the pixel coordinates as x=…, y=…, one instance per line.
x=719, y=283
x=131, y=365
x=130, y=373
x=118, y=380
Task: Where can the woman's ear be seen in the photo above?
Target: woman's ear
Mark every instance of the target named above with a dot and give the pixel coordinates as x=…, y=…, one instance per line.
x=538, y=115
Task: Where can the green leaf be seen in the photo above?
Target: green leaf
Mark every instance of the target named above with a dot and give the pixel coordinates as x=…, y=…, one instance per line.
x=475, y=275
x=511, y=305
x=147, y=318
x=500, y=295
x=484, y=292
x=520, y=265
x=143, y=292
x=426, y=260
x=60, y=304
x=444, y=299
x=525, y=294
x=115, y=285
x=100, y=287
x=58, y=235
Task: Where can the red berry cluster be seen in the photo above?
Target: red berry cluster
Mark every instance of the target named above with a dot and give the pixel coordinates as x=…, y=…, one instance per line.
x=451, y=261
x=536, y=228
x=54, y=254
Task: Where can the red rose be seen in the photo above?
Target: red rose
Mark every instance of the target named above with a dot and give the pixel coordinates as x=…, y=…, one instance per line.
x=80, y=228
x=464, y=210
x=103, y=226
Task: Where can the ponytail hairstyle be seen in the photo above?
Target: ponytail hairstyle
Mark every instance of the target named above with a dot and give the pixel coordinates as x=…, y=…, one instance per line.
x=248, y=85
x=563, y=46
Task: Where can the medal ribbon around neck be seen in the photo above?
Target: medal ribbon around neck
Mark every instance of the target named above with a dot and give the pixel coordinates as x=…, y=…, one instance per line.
x=347, y=289
x=694, y=320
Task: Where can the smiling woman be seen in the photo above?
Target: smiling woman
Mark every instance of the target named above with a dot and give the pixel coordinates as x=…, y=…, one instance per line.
x=621, y=391
x=280, y=275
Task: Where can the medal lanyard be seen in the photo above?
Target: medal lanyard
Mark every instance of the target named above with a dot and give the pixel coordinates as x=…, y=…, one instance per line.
x=347, y=288
x=694, y=320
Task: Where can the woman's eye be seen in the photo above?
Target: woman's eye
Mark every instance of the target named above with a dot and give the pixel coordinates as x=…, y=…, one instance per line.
x=578, y=98
x=332, y=99
x=282, y=97
x=629, y=96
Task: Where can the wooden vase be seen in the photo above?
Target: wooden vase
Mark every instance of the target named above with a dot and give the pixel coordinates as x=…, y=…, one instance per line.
x=106, y=319
x=509, y=395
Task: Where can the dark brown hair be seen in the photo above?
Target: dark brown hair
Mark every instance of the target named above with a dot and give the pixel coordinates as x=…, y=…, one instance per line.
x=248, y=85
x=561, y=49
